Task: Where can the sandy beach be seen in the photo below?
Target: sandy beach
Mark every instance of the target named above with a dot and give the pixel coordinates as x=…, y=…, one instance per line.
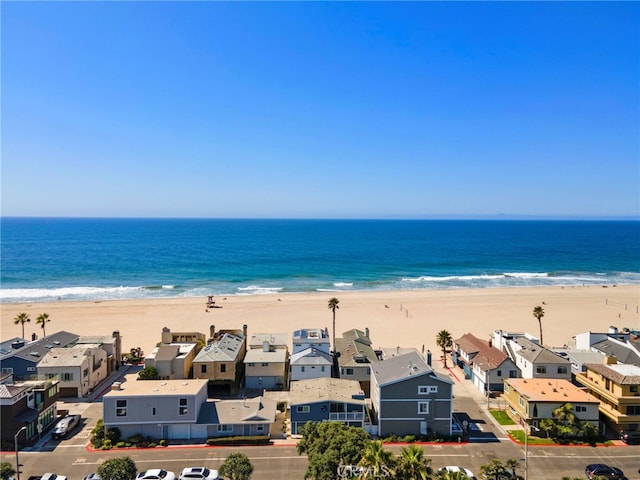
x=395, y=318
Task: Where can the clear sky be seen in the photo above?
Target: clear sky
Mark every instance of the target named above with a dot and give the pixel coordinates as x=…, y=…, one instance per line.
x=331, y=109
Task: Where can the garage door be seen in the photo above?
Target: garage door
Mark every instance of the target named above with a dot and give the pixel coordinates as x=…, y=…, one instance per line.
x=179, y=432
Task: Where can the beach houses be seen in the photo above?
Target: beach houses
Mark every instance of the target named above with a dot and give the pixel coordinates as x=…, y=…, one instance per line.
x=266, y=362
x=173, y=360
x=30, y=404
x=617, y=387
x=355, y=357
x=623, y=345
x=221, y=360
x=179, y=409
x=323, y=399
x=80, y=368
x=311, y=355
x=531, y=400
x=21, y=358
x=409, y=398
x=532, y=359
x=485, y=366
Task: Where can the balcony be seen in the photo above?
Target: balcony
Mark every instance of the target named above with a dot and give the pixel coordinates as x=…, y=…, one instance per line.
x=347, y=416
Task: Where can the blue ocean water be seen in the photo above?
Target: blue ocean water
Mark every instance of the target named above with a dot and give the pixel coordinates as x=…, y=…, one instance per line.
x=44, y=259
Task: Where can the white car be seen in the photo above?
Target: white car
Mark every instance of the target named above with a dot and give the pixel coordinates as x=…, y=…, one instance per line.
x=52, y=476
x=156, y=474
x=465, y=471
x=201, y=473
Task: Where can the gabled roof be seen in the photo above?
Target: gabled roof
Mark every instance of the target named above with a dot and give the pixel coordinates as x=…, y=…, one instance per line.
x=620, y=374
x=470, y=344
x=484, y=356
x=326, y=389
x=623, y=353
x=402, y=367
x=224, y=350
x=355, y=349
x=535, y=353
x=229, y=412
x=311, y=356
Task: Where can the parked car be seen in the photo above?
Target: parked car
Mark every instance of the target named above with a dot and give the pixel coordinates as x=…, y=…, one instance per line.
x=202, y=473
x=65, y=426
x=52, y=476
x=600, y=469
x=156, y=474
x=631, y=437
x=92, y=476
x=452, y=468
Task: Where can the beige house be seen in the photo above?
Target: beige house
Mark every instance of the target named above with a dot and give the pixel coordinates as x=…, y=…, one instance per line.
x=531, y=400
x=80, y=369
x=172, y=361
x=618, y=389
x=266, y=361
x=221, y=360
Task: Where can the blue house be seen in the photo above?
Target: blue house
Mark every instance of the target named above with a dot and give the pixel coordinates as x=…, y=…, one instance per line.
x=326, y=399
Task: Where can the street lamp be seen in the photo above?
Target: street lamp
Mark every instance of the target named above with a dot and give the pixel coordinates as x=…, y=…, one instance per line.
x=527, y=432
x=15, y=440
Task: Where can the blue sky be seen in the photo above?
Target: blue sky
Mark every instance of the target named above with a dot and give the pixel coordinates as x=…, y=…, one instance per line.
x=334, y=110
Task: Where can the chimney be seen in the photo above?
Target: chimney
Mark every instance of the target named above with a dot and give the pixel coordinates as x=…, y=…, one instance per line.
x=115, y=386
x=610, y=360
x=212, y=330
x=244, y=330
x=490, y=342
x=366, y=332
x=429, y=357
x=166, y=335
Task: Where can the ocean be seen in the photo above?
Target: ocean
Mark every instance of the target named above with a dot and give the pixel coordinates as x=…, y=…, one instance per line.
x=48, y=259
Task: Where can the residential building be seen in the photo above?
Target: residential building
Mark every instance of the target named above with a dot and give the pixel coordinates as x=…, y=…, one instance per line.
x=20, y=358
x=310, y=363
x=621, y=345
x=531, y=400
x=111, y=344
x=80, y=369
x=317, y=338
x=179, y=409
x=409, y=398
x=326, y=399
x=355, y=357
x=173, y=361
x=266, y=361
x=486, y=366
x=221, y=360
x=30, y=404
x=532, y=359
x=169, y=337
x=617, y=387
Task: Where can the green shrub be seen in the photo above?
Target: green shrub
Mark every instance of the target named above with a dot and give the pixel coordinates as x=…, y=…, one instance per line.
x=162, y=443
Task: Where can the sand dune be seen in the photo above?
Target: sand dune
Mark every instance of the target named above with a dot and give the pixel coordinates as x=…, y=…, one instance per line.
x=395, y=318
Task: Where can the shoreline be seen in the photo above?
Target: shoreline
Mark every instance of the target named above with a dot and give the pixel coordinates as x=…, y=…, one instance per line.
x=407, y=318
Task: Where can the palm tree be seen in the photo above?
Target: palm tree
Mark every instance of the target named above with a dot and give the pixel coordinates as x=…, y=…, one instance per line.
x=447, y=475
x=412, y=464
x=333, y=306
x=42, y=319
x=566, y=419
x=538, y=312
x=21, y=318
x=377, y=461
x=445, y=342
x=513, y=464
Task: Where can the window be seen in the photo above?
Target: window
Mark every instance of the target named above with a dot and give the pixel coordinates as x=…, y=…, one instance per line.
x=265, y=364
x=153, y=411
x=506, y=388
x=183, y=406
x=348, y=371
x=513, y=374
x=259, y=428
x=632, y=388
x=633, y=409
x=302, y=369
x=580, y=408
x=303, y=409
x=251, y=364
x=121, y=408
x=423, y=407
x=562, y=369
x=521, y=401
x=7, y=370
x=368, y=371
x=499, y=373
x=225, y=428
x=427, y=389
x=322, y=368
x=223, y=367
x=203, y=368
x=541, y=369
x=67, y=377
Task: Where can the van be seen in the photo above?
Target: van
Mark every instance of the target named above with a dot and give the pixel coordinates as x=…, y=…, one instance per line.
x=631, y=437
